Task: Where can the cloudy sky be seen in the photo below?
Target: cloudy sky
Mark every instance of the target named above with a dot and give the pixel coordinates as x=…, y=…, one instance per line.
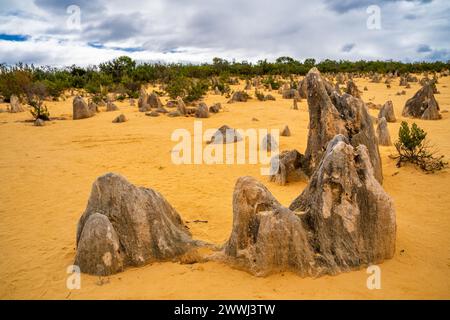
x=84, y=32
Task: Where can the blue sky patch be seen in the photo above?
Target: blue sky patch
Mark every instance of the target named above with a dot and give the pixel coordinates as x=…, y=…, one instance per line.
x=14, y=37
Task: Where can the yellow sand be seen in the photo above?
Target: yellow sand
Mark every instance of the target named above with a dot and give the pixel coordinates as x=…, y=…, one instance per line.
x=46, y=176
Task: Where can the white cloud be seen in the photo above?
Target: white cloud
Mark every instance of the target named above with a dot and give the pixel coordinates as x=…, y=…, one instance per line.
x=197, y=31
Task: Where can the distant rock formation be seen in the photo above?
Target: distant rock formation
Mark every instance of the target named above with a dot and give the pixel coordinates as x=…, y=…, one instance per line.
x=181, y=107
x=290, y=94
x=384, y=139
x=202, y=111
x=154, y=101
x=215, y=108
x=269, y=143
x=387, y=112
x=93, y=107
x=423, y=105
x=143, y=105
x=161, y=110
x=152, y=114
x=352, y=89
x=81, y=109
x=14, y=105
x=225, y=134
x=120, y=118
x=239, y=96
x=286, y=167
x=302, y=89
x=110, y=106
x=39, y=122
x=285, y=132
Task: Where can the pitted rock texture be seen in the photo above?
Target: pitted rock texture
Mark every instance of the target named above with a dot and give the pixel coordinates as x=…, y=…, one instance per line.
x=342, y=221
x=423, y=105
x=148, y=228
x=332, y=114
x=348, y=215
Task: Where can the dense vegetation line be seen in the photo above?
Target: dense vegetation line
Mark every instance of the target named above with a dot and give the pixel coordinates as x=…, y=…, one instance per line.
x=125, y=76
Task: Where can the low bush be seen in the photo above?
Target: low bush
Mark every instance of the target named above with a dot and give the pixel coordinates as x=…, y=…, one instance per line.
x=412, y=147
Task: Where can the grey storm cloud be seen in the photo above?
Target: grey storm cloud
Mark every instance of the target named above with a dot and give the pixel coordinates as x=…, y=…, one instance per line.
x=424, y=48
x=348, y=47
x=115, y=27
x=343, y=6
x=60, y=6
x=250, y=30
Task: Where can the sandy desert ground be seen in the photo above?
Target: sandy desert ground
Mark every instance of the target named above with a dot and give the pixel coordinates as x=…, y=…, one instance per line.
x=47, y=174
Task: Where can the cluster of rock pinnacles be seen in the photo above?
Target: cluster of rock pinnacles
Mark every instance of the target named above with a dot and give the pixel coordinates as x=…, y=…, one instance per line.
x=342, y=221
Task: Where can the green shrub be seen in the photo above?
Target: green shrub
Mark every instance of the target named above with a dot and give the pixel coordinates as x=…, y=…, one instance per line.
x=412, y=147
x=188, y=89
x=14, y=82
x=39, y=110
x=98, y=98
x=54, y=89
x=177, y=87
x=270, y=80
x=223, y=87
x=196, y=91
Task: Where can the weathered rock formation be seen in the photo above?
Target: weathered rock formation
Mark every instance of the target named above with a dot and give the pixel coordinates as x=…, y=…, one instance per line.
x=348, y=215
x=153, y=101
x=387, y=112
x=174, y=114
x=110, y=106
x=124, y=225
x=181, y=107
x=422, y=105
x=266, y=237
x=290, y=94
x=384, y=139
x=215, y=108
x=335, y=114
x=373, y=106
x=239, y=96
x=14, y=105
x=120, y=118
x=152, y=114
x=81, y=109
x=225, y=134
x=202, y=111
x=143, y=102
x=352, y=89
x=39, y=122
x=302, y=89
x=93, y=108
x=98, y=250
x=285, y=132
x=342, y=221
x=286, y=167
x=269, y=143
x=161, y=110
